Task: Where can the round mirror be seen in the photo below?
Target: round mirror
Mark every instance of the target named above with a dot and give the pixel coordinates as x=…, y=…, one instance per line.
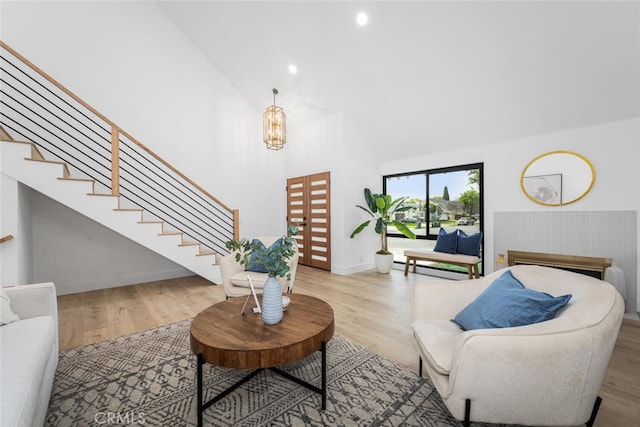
x=557, y=178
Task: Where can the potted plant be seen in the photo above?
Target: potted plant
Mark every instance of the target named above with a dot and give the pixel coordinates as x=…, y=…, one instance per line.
x=274, y=259
x=275, y=262
x=382, y=209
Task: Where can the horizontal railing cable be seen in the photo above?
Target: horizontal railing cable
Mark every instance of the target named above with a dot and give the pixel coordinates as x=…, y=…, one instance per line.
x=183, y=187
x=43, y=120
x=65, y=157
x=38, y=109
x=55, y=149
x=58, y=97
x=186, y=213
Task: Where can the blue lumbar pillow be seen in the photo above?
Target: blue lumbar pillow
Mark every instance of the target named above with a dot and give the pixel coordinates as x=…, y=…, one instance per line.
x=507, y=303
x=446, y=242
x=468, y=244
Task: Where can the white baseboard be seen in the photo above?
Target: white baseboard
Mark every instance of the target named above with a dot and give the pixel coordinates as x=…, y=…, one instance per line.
x=352, y=269
x=634, y=316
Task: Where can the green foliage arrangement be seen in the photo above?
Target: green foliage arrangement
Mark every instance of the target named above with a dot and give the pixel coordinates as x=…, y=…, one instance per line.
x=382, y=209
x=470, y=199
x=275, y=259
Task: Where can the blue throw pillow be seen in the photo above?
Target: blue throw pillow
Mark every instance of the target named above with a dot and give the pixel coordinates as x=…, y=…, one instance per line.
x=469, y=244
x=256, y=268
x=261, y=251
x=446, y=242
x=506, y=303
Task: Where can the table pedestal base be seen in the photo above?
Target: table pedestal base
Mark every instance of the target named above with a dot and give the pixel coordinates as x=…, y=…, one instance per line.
x=321, y=390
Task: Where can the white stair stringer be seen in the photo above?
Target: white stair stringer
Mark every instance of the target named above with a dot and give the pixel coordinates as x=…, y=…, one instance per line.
x=44, y=177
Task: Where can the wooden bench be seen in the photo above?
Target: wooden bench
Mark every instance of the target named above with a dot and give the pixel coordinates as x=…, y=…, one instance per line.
x=469, y=261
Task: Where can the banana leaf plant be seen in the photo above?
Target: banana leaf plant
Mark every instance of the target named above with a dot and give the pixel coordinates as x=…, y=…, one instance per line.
x=382, y=208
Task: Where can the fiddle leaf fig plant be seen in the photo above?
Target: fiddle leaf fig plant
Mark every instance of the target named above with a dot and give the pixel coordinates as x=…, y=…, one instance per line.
x=382, y=208
x=274, y=259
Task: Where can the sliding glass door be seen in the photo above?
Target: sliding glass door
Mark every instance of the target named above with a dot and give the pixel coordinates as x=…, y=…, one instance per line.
x=448, y=198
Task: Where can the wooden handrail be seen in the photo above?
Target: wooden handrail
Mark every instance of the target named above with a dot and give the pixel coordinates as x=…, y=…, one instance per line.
x=55, y=82
x=114, y=128
x=6, y=238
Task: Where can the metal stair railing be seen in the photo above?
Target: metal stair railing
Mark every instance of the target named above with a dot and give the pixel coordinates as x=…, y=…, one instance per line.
x=36, y=107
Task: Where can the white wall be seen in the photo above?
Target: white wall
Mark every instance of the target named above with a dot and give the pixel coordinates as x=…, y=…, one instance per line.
x=335, y=145
x=612, y=148
x=150, y=80
x=358, y=169
x=130, y=62
x=16, y=255
x=88, y=260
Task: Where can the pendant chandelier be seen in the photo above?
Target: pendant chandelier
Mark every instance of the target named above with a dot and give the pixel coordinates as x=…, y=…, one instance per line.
x=274, y=126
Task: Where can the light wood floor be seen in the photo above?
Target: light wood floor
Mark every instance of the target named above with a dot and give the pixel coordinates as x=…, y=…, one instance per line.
x=370, y=308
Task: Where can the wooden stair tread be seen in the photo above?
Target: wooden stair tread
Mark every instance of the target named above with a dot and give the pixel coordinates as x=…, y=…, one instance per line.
x=56, y=162
x=77, y=179
x=37, y=156
x=189, y=244
x=102, y=195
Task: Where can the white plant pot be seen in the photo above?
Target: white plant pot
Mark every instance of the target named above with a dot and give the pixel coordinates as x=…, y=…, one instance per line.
x=384, y=262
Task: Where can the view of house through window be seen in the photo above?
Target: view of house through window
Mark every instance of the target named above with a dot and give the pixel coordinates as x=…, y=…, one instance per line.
x=446, y=198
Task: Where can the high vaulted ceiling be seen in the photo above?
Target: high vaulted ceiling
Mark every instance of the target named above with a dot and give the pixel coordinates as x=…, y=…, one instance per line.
x=425, y=76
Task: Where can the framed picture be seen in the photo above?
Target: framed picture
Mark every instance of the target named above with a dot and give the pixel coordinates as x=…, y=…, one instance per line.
x=544, y=188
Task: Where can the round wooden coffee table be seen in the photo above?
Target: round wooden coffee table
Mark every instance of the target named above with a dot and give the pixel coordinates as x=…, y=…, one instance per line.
x=223, y=336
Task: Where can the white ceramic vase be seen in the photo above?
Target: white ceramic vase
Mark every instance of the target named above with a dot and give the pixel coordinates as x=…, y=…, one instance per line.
x=384, y=262
x=272, y=301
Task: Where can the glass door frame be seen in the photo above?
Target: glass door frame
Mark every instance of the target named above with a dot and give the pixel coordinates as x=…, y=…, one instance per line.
x=430, y=235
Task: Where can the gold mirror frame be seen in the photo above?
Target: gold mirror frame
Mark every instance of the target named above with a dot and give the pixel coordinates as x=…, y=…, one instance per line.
x=549, y=183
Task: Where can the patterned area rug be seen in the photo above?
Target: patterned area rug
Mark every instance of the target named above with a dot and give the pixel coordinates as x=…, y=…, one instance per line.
x=149, y=378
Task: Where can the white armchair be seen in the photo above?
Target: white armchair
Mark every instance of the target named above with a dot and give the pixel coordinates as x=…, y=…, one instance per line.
x=548, y=373
x=234, y=277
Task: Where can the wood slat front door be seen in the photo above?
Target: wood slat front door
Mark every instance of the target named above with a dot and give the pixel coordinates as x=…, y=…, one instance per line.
x=309, y=206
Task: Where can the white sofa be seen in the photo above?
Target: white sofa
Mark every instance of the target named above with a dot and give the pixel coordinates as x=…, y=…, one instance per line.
x=234, y=277
x=544, y=374
x=28, y=355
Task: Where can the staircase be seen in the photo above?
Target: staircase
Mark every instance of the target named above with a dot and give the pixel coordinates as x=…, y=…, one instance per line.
x=56, y=144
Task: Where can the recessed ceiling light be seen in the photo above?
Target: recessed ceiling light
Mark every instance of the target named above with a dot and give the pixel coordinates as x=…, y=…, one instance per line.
x=362, y=19
x=293, y=69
